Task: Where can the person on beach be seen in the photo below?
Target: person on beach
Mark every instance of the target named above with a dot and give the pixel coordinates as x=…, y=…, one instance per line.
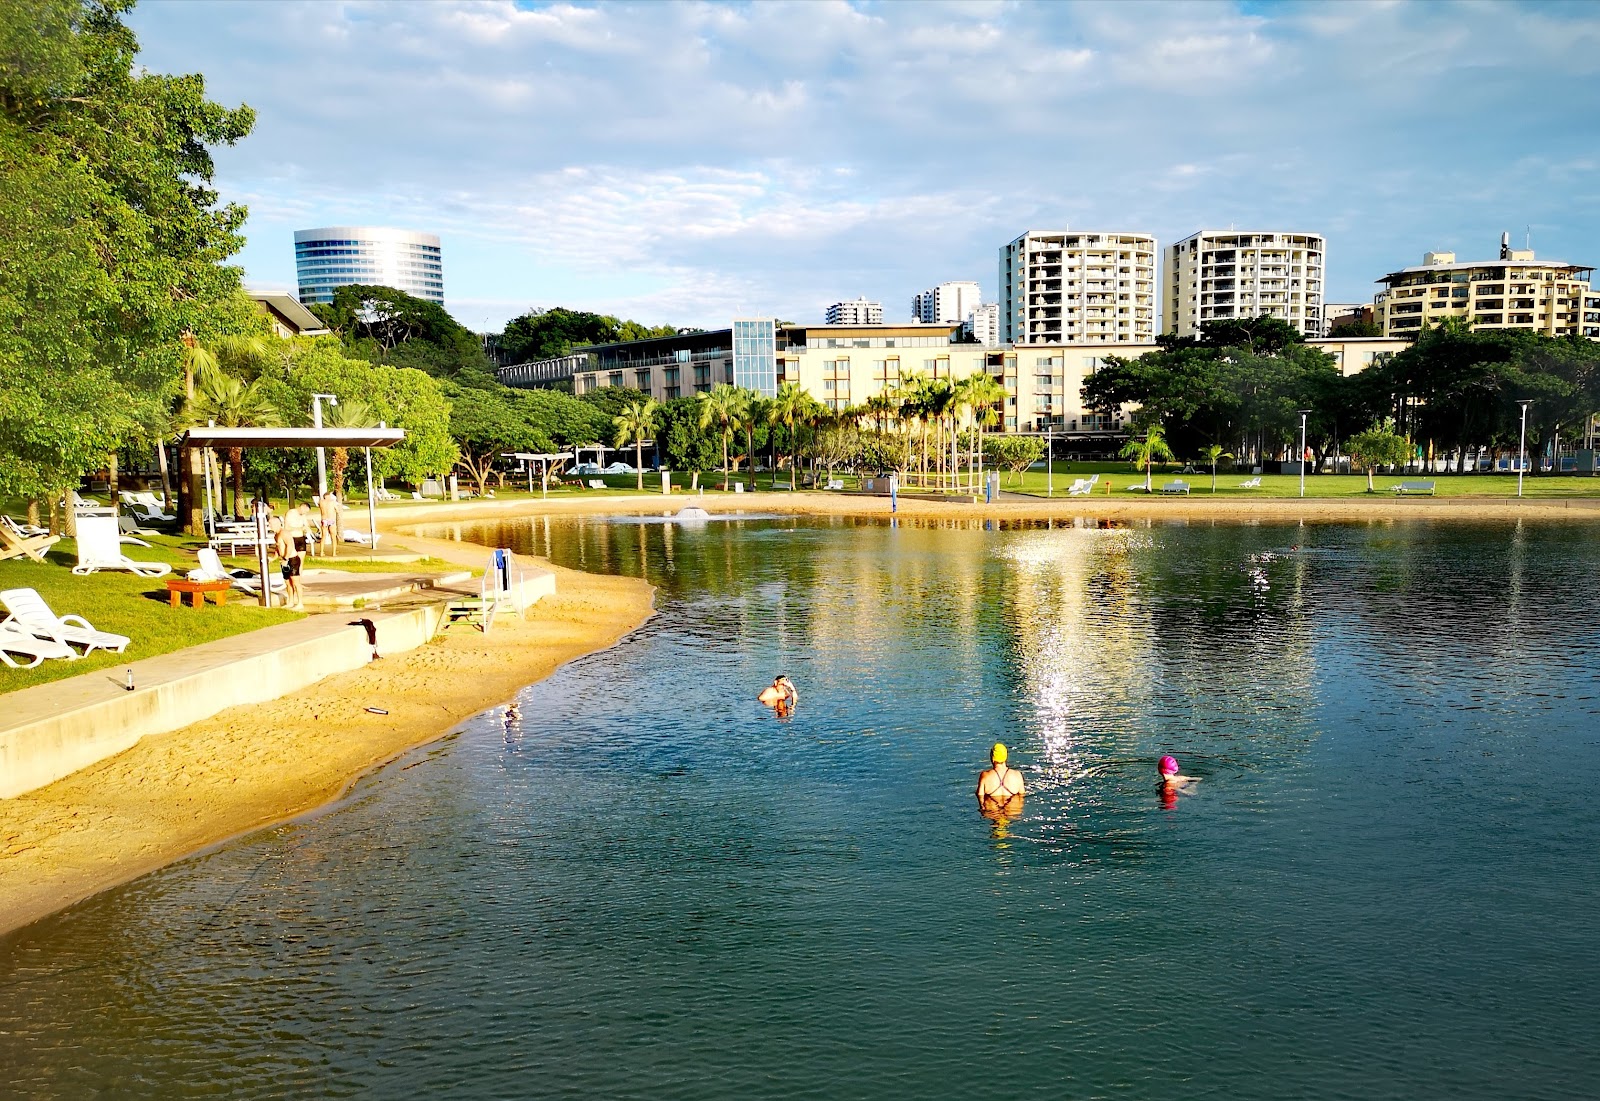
x=1000, y=788
x=329, y=507
x=780, y=693
x=283, y=545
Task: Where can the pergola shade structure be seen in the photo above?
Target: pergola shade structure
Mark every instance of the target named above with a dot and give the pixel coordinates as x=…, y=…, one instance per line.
x=364, y=438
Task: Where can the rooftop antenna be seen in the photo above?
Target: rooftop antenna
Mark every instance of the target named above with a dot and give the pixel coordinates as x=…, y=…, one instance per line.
x=1527, y=237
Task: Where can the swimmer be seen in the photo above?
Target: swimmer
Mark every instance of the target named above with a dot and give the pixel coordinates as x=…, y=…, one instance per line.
x=999, y=784
x=780, y=691
x=1171, y=780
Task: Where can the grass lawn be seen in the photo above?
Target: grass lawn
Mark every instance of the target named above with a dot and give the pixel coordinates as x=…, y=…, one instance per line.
x=1121, y=476
x=124, y=604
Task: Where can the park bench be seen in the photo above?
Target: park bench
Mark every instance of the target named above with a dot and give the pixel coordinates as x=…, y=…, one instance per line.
x=1405, y=488
x=1179, y=486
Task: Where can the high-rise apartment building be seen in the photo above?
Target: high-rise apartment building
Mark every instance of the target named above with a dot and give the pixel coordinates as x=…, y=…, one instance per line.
x=859, y=312
x=336, y=256
x=1218, y=275
x=1061, y=287
x=1514, y=292
x=982, y=324
x=946, y=302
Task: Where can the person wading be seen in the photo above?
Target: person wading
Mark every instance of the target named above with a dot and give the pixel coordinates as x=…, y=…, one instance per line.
x=999, y=784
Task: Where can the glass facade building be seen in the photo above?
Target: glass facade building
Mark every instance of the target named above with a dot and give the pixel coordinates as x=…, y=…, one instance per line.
x=336, y=256
x=755, y=355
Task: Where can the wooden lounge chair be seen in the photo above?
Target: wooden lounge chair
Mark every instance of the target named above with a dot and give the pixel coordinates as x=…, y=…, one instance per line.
x=14, y=545
x=14, y=640
x=28, y=612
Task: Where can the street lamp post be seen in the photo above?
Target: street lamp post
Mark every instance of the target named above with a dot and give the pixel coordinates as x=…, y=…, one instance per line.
x=1049, y=454
x=1303, y=413
x=1522, y=444
x=316, y=422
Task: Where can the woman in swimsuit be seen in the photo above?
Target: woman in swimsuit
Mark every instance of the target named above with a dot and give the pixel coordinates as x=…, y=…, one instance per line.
x=999, y=784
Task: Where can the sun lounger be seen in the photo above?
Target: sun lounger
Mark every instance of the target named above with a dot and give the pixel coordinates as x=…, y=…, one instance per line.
x=1179, y=486
x=100, y=548
x=596, y=483
x=14, y=640
x=28, y=612
x=146, y=510
x=13, y=545
x=1250, y=483
x=246, y=581
x=1083, y=486
x=20, y=529
x=356, y=535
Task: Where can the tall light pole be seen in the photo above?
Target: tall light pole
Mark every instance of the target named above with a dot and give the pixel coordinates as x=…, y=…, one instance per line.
x=316, y=422
x=1303, y=413
x=1522, y=444
x=1049, y=453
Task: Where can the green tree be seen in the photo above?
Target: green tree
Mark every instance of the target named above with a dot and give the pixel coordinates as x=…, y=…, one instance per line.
x=1379, y=445
x=1146, y=449
x=635, y=423
x=790, y=409
x=720, y=409
x=389, y=326
x=114, y=239
x=230, y=402
x=1211, y=454
x=1015, y=454
x=349, y=413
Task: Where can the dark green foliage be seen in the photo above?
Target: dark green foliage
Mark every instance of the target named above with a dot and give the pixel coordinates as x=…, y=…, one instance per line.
x=684, y=444
x=546, y=334
x=385, y=325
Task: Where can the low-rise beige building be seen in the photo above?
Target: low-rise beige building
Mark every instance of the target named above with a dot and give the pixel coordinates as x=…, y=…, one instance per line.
x=1516, y=291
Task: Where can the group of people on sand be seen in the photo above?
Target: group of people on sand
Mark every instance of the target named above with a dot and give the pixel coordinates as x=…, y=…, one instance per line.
x=1001, y=788
x=296, y=534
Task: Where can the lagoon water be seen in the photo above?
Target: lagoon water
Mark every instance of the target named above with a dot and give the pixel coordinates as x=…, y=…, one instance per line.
x=639, y=883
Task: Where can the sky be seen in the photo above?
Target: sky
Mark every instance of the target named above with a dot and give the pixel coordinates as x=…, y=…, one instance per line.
x=689, y=163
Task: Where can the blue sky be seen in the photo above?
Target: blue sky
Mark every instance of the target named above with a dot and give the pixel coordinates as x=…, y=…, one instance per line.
x=687, y=163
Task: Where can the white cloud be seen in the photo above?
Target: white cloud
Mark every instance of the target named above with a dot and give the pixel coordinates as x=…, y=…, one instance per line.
x=782, y=154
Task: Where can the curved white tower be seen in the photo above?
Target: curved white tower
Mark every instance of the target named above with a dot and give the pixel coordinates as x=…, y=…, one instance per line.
x=335, y=256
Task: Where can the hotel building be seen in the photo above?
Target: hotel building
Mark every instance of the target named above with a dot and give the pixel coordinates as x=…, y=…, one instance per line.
x=1060, y=287
x=982, y=324
x=859, y=312
x=336, y=256
x=1514, y=292
x=1217, y=275
x=946, y=302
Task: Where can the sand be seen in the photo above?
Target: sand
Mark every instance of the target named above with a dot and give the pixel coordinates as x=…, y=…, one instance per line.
x=175, y=794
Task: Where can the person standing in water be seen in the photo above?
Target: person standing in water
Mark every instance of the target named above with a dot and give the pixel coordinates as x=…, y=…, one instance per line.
x=780, y=693
x=1000, y=784
x=1171, y=779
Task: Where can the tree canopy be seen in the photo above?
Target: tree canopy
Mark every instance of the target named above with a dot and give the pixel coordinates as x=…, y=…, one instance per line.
x=546, y=334
x=386, y=325
x=115, y=239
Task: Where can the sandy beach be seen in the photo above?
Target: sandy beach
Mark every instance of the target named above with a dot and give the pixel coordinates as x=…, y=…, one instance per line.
x=176, y=794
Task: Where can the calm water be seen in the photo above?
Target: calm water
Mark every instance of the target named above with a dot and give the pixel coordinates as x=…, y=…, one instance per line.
x=641, y=884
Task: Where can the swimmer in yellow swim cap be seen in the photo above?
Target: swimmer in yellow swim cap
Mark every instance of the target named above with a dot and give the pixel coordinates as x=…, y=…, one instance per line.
x=999, y=783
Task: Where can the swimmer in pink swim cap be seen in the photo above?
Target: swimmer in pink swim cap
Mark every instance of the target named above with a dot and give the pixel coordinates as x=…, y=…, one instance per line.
x=1171, y=778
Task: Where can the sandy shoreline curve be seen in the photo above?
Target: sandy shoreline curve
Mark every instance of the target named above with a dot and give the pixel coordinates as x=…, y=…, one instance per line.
x=176, y=794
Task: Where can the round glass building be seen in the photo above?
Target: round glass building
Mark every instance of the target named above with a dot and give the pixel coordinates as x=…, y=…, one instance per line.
x=335, y=256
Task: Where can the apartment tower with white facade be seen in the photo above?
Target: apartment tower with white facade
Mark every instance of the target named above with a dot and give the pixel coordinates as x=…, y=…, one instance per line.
x=1217, y=275
x=859, y=312
x=946, y=302
x=1070, y=287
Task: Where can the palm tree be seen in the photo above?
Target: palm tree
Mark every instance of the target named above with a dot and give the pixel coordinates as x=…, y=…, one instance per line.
x=636, y=421
x=1211, y=453
x=1146, y=449
x=349, y=413
x=229, y=403
x=752, y=416
x=721, y=407
x=789, y=409
x=985, y=397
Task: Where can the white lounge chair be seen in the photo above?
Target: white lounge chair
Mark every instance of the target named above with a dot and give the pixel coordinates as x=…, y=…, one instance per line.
x=246, y=581
x=100, y=548
x=146, y=510
x=28, y=612
x=1250, y=483
x=356, y=535
x=22, y=530
x=596, y=483
x=1083, y=486
x=14, y=640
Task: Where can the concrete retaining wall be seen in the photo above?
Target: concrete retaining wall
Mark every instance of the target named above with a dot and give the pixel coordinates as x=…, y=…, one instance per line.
x=52, y=730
